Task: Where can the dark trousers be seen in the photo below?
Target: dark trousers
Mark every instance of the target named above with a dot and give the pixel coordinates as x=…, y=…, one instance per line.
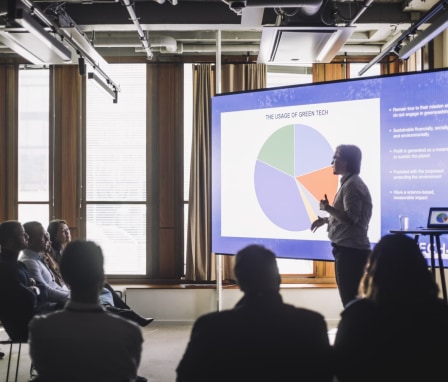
x=349, y=266
x=118, y=302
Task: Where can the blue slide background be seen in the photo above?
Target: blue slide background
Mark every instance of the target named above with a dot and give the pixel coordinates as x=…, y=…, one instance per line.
x=413, y=140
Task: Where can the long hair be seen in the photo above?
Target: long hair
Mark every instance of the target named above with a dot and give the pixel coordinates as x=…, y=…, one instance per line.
x=397, y=272
x=53, y=228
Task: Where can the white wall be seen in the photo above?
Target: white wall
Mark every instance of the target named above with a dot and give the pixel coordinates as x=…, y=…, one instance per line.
x=185, y=305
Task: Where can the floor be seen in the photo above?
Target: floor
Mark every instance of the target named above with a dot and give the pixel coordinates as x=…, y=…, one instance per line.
x=164, y=344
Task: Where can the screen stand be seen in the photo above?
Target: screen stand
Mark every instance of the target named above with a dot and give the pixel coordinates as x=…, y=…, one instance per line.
x=219, y=281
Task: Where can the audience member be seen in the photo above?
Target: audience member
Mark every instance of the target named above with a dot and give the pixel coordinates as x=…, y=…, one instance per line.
x=20, y=295
x=60, y=236
x=83, y=342
x=397, y=330
x=261, y=338
x=45, y=270
x=49, y=261
x=33, y=258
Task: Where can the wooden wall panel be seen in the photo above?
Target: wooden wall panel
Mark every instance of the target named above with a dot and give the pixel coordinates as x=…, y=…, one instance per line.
x=65, y=127
x=9, y=79
x=329, y=72
x=165, y=169
x=167, y=263
x=3, y=143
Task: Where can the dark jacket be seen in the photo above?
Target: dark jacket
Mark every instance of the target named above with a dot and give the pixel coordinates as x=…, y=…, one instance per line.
x=402, y=342
x=260, y=339
x=17, y=300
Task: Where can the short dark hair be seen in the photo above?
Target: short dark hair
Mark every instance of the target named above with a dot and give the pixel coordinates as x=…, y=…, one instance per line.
x=352, y=155
x=256, y=269
x=8, y=230
x=82, y=265
x=32, y=228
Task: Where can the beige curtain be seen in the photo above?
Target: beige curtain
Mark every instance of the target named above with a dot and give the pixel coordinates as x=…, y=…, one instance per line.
x=201, y=263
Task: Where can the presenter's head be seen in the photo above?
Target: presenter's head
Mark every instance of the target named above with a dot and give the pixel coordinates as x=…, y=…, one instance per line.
x=256, y=270
x=347, y=160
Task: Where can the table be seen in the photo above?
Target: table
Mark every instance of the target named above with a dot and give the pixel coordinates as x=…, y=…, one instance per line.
x=434, y=234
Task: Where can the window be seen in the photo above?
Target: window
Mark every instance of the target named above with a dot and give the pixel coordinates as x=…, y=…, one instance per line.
x=276, y=76
x=33, y=145
x=374, y=70
x=115, y=188
x=115, y=205
x=282, y=75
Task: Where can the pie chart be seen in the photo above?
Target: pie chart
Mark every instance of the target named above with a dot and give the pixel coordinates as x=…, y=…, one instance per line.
x=442, y=217
x=292, y=174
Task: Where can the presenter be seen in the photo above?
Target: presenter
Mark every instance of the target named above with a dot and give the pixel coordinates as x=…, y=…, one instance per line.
x=348, y=221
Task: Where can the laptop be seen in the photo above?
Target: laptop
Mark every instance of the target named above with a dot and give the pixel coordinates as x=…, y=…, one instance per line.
x=438, y=218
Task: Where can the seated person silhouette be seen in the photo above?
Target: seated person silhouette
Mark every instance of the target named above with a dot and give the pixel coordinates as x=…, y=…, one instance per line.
x=397, y=329
x=84, y=342
x=20, y=296
x=261, y=338
x=60, y=236
x=45, y=271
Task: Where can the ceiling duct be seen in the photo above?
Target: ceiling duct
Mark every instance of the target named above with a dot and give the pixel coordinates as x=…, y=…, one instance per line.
x=144, y=41
x=309, y=7
x=39, y=39
x=301, y=45
x=33, y=40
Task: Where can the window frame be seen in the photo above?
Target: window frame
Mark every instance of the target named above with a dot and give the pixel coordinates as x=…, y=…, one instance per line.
x=66, y=112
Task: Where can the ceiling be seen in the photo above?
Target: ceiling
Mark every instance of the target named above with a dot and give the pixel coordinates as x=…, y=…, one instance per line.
x=160, y=29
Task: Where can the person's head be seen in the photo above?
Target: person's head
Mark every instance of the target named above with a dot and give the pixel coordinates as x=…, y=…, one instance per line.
x=347, y=160
x=256, y=270
x=397, y=271
x=47, y=242
x=13, y=236
x=82, y=267
x=59, y=233
x=37, y=234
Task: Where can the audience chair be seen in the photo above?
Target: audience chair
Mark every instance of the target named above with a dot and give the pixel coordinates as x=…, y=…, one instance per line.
x=11, y=343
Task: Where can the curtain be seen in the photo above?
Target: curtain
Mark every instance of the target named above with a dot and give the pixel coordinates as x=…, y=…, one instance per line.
x=201, y=263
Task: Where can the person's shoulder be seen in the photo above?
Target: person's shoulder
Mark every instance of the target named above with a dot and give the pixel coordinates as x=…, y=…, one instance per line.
x=120, y=322
x=27, y=256
x=300, y=310
x=128, y=331
x=40, y=320
x=303, y=314
x=359, y=306
x=215, y=319
x=357, y=179
x=215, y=316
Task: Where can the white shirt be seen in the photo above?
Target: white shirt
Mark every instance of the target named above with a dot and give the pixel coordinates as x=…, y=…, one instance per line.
x=39, y=271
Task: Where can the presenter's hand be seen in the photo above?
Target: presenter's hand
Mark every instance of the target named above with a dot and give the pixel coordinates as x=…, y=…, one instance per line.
x=318, y=223
x=324, y=203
